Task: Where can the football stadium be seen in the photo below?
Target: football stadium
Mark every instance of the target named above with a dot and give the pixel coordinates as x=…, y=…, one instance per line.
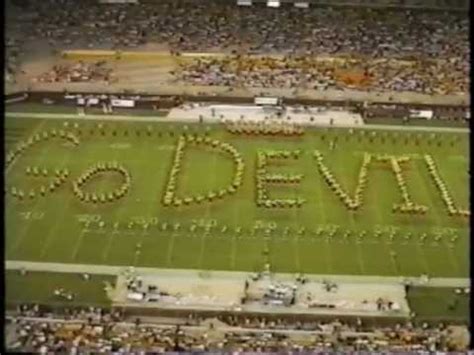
x=243, y=176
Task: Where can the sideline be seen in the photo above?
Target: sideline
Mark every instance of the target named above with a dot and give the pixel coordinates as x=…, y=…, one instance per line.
x=167, y=119
x=186, y=273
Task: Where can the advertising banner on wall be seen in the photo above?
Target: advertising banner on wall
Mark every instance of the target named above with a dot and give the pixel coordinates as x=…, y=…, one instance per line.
x=122, y=103
x=267, y=101
x=118, y=1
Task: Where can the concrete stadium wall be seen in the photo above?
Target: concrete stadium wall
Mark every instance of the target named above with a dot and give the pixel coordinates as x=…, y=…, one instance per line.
x=149, y=100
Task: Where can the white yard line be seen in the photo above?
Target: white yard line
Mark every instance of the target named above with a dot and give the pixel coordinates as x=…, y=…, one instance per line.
x=106, y=250
x=51, y=236
x=297, y=253
x=324, y=217
x=423, y=259
x=384, y=242
x=150, y=210
x=208, y=210
x=201, y=250
x=35, y=203
x=233, y=252
x=295, y=238
x=32, y=134
x=169, y=255
x=422, y=179
x=360, y=259
x=451, y=256
x=118, y=214
x=78, y=244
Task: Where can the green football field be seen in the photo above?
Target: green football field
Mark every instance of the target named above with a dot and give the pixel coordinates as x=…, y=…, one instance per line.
x=322, y=236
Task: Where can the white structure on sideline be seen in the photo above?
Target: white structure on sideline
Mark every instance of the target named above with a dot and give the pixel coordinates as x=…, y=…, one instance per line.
x=308, y=116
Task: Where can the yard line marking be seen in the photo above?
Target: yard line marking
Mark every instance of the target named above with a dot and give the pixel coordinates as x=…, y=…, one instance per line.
x=360, y=259
x=324, y=218
x=389, y=249
x=233, y=252
x=296, y=254
x=208, y=211
x=169, y=256
x=71, y=198
x=451, y=256
x=31, y=135
x=17, y=242
x=201, y=250
x=149, y=210
x=118, y=214
x=51, y=235
x=424, y=264
x=78, y=244
x=136, y=254
x=170, y=250
x=296, y=238
x=140, y=242
x=108, y=246
x=423, y=181
x=35, y=203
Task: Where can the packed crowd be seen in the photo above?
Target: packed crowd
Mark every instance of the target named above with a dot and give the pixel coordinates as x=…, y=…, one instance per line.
x=79, y=72
x=422, y=76
x=222, y=26
x=208, y=25
x=12, y=62
x=113, y=333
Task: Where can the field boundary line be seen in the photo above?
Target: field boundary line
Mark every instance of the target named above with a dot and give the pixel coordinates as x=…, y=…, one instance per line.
x=172, y=273
x=167, y=119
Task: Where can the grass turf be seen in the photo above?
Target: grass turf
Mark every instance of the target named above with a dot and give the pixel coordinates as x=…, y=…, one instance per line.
x=38, y=287
x=60, y=228
x=433, y=303
x=39, y=107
